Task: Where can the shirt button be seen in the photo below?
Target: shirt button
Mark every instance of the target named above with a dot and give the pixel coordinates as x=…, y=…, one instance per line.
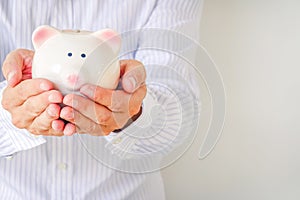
x=117, y=140
x=62, y=166
x=10, y=157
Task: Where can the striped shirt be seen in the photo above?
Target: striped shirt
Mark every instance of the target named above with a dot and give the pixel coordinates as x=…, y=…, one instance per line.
x=124, y=165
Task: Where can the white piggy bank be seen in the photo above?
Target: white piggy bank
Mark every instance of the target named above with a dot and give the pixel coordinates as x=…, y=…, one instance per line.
x=72, y=58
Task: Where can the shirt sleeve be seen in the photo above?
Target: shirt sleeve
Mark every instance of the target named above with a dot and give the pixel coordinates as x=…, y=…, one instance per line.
x=167, y=47
x=12, y=139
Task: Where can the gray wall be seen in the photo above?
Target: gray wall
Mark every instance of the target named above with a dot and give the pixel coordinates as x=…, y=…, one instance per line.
x=256, y=46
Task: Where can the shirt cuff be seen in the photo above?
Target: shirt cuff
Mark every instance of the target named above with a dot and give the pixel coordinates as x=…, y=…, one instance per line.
x=12, y=139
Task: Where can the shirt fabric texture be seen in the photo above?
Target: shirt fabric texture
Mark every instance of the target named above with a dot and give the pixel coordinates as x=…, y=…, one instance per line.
x=80, y=166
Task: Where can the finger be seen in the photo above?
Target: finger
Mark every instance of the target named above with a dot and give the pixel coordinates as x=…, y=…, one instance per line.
x=58, y=125
x=105, y=96
x=97, y=94
x=43, y=123
x=116, y=100
x=23, y=115
x=35, y=105
x=79, y=123
x=70, y=129
x=14, y=64
x=133, y=75
x=122, y=102
x=27, y=88
x=44, y=132
x=136, y=100
x=95, y=112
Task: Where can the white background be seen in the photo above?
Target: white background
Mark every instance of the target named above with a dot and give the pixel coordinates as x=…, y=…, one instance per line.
x=256, y=46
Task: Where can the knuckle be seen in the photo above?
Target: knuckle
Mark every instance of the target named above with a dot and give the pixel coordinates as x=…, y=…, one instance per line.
x=105, y=130
x=104, y=117
x=18, y=121
x=34, y=131
x=117, y=106
x=15, y=121
x=56, y=133
x=92, y=129
x=60, y=134
x=137, y=62
x=6, y=101
x=31, y=107
x=99, y=97
x=40, y=125
x=80, y=131
x=106, y=133
x=5, y=104
x=21, y=90
x=53, y=132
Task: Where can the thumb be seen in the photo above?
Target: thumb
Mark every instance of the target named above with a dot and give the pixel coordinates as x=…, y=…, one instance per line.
x=133, y=75
x=14, y=64
x=13, y=78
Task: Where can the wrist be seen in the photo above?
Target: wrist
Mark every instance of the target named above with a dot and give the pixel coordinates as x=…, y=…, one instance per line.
x=130, y=121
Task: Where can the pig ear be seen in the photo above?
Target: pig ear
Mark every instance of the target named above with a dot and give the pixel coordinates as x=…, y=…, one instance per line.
x=42, y=34
x=111, y=37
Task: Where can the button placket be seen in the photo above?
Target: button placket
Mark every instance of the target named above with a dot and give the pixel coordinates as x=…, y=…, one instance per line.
x=62, y=168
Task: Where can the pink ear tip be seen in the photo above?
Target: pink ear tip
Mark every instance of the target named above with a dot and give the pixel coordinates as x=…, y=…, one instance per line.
x=111, y=35
x=40, y=35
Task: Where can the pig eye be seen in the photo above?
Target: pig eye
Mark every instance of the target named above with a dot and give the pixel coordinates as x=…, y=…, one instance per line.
x=70, y=54
x=83, y=55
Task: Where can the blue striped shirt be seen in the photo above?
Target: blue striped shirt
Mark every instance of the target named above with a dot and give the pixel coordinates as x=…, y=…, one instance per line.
x=125, y=165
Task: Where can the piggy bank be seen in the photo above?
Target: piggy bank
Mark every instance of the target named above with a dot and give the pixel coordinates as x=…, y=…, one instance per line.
x=72, y=58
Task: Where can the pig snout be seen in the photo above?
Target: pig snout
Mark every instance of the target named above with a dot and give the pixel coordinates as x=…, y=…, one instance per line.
x=73, y=81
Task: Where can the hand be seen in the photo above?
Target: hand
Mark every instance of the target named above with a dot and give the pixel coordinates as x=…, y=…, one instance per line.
x=17, y=66
x=105, y=110
x=32, y=103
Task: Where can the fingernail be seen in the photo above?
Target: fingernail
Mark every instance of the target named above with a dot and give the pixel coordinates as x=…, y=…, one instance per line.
x=10, y=75
x=130, y=83
x=67, y=114
x=69, y=130
x=68, y=133
x=56, y=126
